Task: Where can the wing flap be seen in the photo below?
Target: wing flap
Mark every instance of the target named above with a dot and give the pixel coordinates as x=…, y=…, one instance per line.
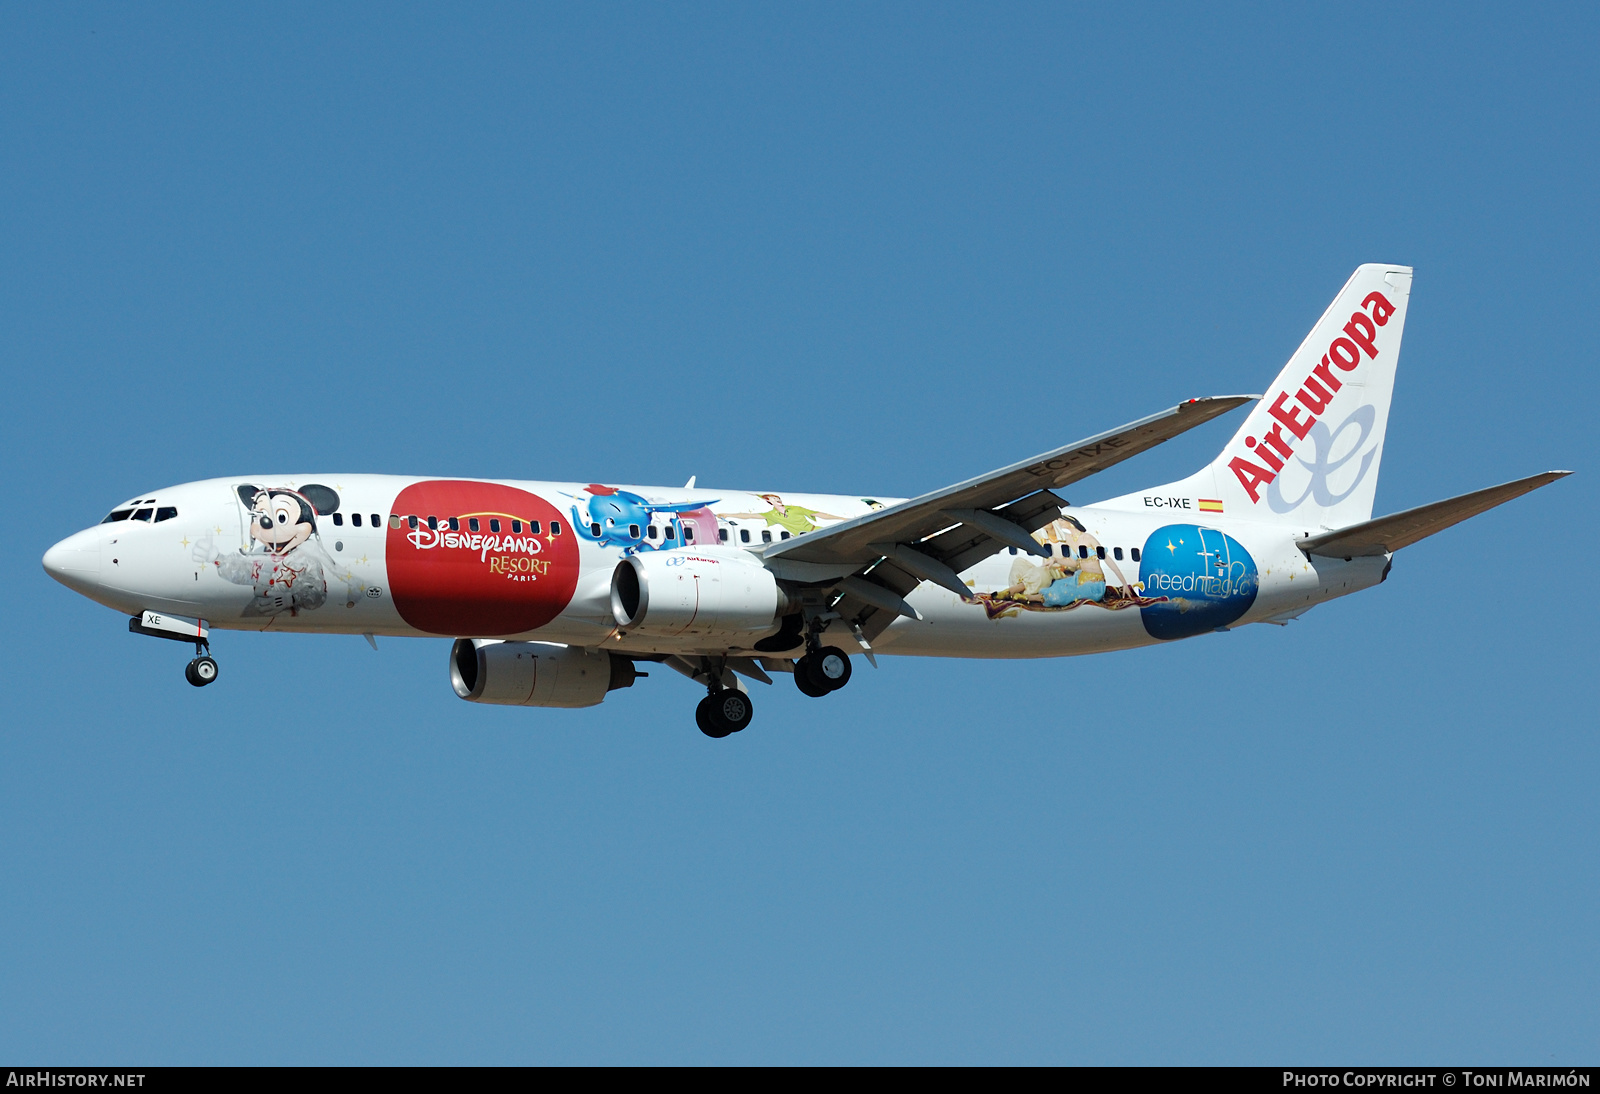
x=1386, y=535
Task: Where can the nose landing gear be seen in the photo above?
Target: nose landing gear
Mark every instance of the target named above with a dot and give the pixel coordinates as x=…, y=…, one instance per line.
x=201, y=671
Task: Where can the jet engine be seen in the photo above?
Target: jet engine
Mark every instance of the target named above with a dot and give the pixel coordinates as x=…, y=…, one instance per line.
x=695, y=592
x=535, y=674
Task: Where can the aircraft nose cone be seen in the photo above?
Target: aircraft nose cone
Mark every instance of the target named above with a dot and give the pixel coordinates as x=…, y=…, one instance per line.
x=75, y=561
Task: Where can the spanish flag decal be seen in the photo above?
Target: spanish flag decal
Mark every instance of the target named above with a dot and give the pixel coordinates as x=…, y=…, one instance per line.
x=1210, y=505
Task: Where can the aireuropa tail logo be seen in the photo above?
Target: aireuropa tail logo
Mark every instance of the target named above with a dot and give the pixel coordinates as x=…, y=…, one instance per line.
x=1304, y=420
x=1323, y=464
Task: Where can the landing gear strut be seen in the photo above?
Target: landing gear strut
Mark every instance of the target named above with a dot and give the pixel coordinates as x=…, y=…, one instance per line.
x=724, y=711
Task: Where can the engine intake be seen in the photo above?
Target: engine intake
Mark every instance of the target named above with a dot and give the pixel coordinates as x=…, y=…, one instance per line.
x=535, y=674
x=695, y=591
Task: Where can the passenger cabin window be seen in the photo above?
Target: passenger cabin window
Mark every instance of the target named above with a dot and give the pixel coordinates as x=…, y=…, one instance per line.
x=355, y=520
x=411, y=521
x=1013, y=550
x=594, y=528
x=166, y=512
x=1116, y=553
x=533, y=527
x=722, y=535
x=516, y=527
x=472, y=524
x=650, y=532
x=633, y=531
x=783, y=535
x=375, y=521
x=744, y=535
x=394, y=520
x=455, y=524
x=766, y=535
x=1134, y=553
x=1083, y=550
x=1099, y=552
x=688, y=535
x=669, y=532
x=555, y=528
x=494, y=525
x=116, y=515
x=338, y=520
x=143, y=514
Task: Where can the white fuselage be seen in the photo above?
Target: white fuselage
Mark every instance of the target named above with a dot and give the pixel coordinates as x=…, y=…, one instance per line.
x=207, y=558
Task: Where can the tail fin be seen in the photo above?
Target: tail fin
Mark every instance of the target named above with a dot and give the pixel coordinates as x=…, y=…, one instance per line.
x=1309, y=451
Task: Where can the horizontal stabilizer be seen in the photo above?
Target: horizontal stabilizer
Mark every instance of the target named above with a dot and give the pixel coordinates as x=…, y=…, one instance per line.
x=1389, y=534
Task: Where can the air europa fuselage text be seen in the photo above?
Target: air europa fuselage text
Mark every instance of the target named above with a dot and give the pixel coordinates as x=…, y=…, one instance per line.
x=1344, y=353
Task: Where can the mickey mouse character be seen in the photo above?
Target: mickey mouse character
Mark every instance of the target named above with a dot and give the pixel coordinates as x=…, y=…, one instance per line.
x=287, y=566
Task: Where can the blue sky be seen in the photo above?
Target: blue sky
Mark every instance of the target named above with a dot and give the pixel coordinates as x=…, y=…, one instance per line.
x=841, y=248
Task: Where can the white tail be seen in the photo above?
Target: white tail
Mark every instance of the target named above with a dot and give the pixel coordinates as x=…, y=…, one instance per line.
x=1309, y=451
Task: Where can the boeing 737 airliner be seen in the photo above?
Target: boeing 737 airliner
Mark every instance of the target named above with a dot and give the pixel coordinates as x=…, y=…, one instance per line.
x=555, y=592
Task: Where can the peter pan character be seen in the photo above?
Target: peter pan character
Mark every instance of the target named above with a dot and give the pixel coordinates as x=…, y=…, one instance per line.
x=795, y=519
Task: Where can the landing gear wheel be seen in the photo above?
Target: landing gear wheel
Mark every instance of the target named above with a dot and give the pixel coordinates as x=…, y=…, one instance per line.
x=723, y=712
x=827, y=668
x=201, y=671
x=802, y=679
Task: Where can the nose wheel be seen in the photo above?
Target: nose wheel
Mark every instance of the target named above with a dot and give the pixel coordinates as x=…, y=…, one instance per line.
x=201, y=671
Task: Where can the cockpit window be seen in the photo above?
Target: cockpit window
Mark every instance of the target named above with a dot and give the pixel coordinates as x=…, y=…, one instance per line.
x=116, y=515
x=142, y=514
x=166, y=512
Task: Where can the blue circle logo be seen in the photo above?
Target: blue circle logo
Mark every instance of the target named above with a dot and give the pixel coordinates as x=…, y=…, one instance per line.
x=1207, y=580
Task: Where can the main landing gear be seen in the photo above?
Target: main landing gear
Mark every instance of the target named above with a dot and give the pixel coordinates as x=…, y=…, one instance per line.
x=727, y=709
x=724, y=711
x=821, y=670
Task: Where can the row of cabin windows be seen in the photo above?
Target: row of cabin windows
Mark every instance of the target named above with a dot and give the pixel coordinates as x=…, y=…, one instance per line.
x=650, y=532
x=744, y=535
x=475, y=525
x=1063, y=551
x=167, y=512
x=669, y=533
x=159, y=514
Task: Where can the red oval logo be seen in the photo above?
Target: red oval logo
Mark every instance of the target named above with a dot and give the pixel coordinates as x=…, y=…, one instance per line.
x=508, y=565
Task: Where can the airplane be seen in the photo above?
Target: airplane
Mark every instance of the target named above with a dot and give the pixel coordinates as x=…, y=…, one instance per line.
x=556, y=592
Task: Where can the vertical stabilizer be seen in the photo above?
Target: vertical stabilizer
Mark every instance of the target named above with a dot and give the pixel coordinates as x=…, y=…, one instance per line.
x=1308, y=454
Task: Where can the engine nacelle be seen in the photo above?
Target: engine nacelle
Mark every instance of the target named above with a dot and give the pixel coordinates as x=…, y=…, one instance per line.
x=535, y=674
x=695, y=592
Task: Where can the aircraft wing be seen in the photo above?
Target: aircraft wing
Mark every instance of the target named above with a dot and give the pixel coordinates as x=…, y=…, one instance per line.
x=1389, y=534
x=936, y=536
